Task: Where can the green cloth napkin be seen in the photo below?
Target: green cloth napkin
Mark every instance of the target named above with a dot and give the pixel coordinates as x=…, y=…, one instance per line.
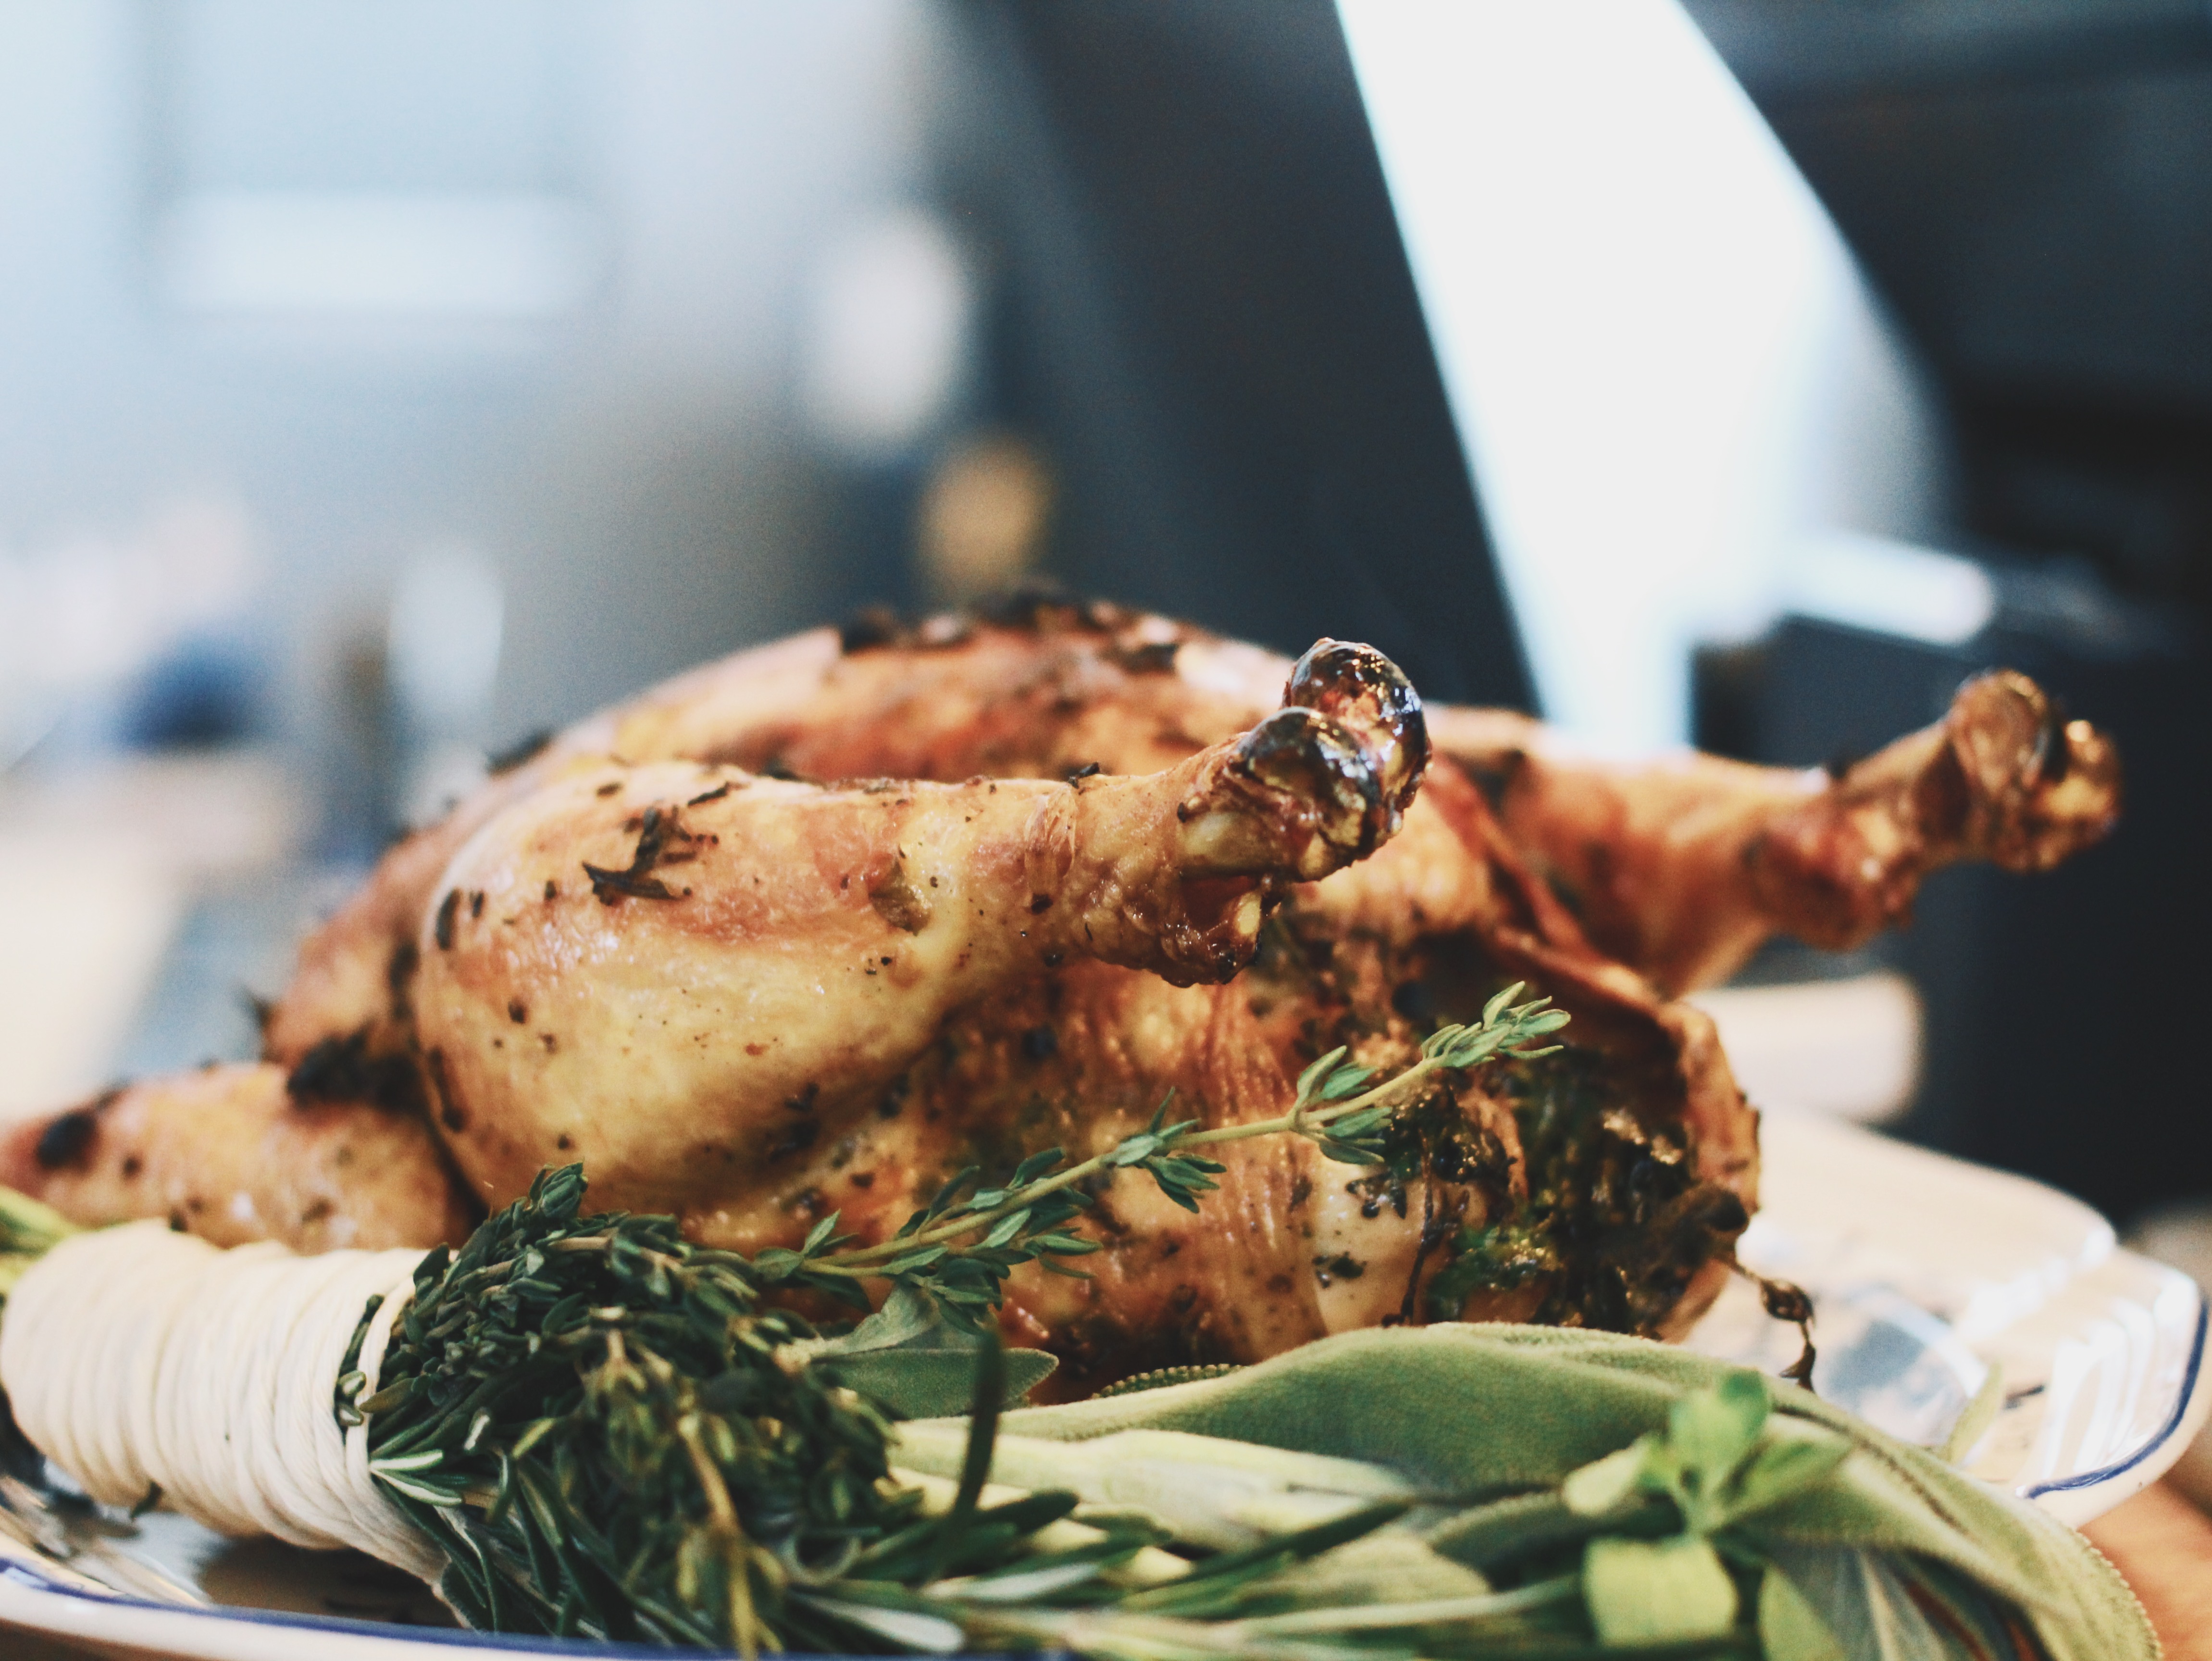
x=1491, y=1410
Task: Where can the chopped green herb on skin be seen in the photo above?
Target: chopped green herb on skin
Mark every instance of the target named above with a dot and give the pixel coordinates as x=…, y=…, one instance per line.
x=1616, y=1221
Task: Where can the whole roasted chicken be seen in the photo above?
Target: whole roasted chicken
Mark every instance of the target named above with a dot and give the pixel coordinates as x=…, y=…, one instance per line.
x=814, y=927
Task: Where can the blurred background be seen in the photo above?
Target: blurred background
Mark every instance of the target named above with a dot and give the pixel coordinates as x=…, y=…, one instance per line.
x=382, y=384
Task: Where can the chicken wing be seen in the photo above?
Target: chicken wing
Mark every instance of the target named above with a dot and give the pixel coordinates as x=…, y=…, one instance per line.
x=230, y=1153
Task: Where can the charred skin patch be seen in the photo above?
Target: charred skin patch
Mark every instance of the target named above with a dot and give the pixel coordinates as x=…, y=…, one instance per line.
x=347, y=1069
x=67, y=1140
x=1360, y=687
x=899, y=902
x=661, y=840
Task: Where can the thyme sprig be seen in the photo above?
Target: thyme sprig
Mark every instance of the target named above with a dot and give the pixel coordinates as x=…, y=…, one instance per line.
x=594, y=1419
x=1337, y=1105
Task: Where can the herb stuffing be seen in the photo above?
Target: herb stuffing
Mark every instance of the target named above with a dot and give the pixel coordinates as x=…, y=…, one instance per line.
x=1616, y=1221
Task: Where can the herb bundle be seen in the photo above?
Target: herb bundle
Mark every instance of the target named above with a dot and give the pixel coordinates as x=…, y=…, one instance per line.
x=612, y=1431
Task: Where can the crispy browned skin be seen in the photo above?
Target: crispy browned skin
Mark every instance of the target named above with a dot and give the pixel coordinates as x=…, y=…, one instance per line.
x=1678, y=868
x=785, y=951
x=226, y=1152
x=1681, y=867
x=550, y=1024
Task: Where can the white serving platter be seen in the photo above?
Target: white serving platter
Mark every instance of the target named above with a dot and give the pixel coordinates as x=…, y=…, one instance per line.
x=1926, y=1274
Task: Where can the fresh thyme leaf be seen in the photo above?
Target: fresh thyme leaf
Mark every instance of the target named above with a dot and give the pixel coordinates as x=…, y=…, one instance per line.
x=1344, y=1082
x=819, y=1236
x=1315, y=1076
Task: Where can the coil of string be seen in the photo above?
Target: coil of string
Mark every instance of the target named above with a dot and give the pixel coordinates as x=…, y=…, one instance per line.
x=137, y=1358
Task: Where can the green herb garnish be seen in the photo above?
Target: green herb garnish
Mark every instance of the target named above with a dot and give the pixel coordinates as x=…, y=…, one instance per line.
x=615, y=1433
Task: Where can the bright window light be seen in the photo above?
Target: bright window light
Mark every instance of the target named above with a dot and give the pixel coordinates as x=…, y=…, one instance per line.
x=887, y=333
x=1891, y=588
x=1665, y=368
x=314, y=254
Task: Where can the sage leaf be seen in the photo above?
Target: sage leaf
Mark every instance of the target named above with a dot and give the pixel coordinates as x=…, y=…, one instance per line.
x=1785, y=1467
x=1710, y=1431
x=1789, y=1628
x=1658, y=1591
x=932, y=1383
x=907, y=1315
x=1977, y=1417
x=1607, y=1485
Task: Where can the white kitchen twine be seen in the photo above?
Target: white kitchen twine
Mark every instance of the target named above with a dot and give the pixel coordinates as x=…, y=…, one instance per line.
x=136, y=1356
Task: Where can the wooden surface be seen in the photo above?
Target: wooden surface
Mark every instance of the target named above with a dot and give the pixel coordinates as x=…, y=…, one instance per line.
x=2160, y=1540
x=2163, y=1545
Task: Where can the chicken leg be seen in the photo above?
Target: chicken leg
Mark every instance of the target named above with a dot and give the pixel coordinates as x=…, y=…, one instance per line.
x=752, y=961
x=640, y=962
x=1680, y=868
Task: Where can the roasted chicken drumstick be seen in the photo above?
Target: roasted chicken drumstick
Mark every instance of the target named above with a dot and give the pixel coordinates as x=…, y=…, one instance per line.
x=580, y=961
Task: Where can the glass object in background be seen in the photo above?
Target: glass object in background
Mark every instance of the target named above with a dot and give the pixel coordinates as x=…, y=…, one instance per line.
x=983, y=519
x=885, y=364
x=884, y=347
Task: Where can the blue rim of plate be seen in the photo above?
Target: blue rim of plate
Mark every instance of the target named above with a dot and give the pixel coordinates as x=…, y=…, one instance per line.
x=22, y=1575
x=2166, y=1432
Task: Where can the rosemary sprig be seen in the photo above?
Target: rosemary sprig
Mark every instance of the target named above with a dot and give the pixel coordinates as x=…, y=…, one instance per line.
x=1337, y=1105
x=611, y=1435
